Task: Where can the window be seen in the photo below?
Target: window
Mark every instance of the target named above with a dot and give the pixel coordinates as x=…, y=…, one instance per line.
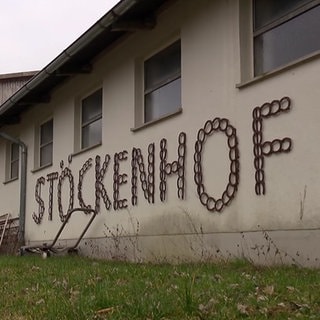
x=46, y=143
x=162, y=83
x=284, y=31
x=14, y=161
x=91, y=120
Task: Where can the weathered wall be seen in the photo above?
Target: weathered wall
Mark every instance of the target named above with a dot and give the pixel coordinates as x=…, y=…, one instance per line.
x=209, y=32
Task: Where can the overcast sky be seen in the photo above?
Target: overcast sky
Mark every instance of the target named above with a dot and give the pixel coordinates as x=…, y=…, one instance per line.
x=34, y=32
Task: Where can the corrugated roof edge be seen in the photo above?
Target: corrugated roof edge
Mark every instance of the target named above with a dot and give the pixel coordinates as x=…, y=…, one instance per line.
x=106, y=21
x=16, y=75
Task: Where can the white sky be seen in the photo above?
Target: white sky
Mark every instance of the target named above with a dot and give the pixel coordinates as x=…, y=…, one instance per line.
x=34, y=32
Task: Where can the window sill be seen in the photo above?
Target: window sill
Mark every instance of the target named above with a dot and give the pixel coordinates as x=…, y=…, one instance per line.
x=10, y=180
x=85, y=149
x=279, y=70
x=41, y=168
x=152, y=122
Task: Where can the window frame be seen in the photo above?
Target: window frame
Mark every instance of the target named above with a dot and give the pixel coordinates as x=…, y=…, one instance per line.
x=43, y=145
x=96, y=118
x=247, y=76
x=274, y=23
x=161, y=84
x=13, y=161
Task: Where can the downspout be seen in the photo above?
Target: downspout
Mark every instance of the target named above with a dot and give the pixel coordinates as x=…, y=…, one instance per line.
x=23, y=183
x=105, y=22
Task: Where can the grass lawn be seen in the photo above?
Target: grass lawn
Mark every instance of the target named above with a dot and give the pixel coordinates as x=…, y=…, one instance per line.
x=80, y=288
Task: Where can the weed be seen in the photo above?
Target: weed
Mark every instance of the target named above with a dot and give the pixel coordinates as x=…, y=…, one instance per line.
x=189, y=305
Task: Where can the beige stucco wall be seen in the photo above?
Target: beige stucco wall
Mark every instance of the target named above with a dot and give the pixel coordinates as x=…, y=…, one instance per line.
x=209, y=32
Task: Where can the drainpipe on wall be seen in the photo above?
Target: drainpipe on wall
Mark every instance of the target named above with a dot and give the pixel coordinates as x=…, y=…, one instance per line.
x=23, y=183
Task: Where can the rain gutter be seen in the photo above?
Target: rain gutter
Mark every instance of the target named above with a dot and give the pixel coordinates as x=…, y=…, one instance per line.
x=105, y=22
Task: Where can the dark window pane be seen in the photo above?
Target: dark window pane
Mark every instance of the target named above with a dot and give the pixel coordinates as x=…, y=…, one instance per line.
x=163, y=66
x=46, y=132
x=91, y=134
x=287, y=42
x=14, y=172
x=14, y=152
x=46, y=155
x=267, y=11
x=92, y=106
x=162, y=101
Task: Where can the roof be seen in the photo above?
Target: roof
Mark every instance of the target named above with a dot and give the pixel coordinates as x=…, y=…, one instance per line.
x=124, y=18
x=17, y=75
x=12, y=82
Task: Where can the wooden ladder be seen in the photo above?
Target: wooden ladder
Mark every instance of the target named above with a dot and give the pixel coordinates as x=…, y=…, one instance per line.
x=3, y=225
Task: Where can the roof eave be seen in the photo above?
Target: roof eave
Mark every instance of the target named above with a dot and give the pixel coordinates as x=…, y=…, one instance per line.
x=81, y=43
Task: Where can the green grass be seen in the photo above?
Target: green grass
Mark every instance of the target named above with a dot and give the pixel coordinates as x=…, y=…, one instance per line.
x=79, y=288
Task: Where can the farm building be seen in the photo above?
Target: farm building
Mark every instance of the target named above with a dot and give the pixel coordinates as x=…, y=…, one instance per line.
x=11, y=83
x=186, y=127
